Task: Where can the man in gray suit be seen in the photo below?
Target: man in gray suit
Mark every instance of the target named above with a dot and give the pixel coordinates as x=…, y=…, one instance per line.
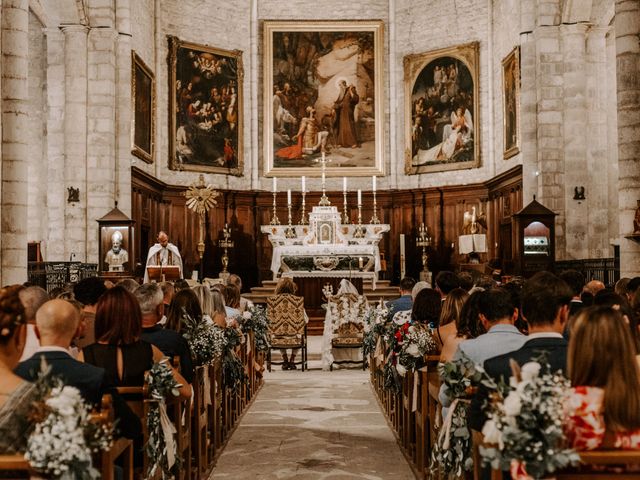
x=497, y=314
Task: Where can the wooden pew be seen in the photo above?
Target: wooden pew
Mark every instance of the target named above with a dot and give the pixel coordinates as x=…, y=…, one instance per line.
x=199, y=425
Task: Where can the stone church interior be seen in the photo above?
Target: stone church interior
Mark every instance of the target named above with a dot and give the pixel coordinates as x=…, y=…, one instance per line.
x=378, y=239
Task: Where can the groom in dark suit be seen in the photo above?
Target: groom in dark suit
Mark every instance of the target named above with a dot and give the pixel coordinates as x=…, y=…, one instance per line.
x=545, y=306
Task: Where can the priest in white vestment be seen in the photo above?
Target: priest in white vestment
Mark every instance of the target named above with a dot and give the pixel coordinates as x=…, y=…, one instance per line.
x=163, y=253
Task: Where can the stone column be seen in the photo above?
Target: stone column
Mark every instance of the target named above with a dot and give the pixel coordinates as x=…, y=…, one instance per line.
x=627, y=28
x=15, y=140
x=572, y=122
x=75, y=139
x=56, y=192
x=123, y=107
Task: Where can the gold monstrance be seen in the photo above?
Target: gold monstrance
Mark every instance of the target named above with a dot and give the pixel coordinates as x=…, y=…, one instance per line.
x=200, y=198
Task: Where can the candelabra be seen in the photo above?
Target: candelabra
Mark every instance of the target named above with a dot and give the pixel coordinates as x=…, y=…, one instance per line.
x=226, y=244
x=345, y=215
x=423, y=240
x=359, y=231
x=274, y=217
x=303, y=217
x=324, y=200
x=289, y=232
x=375, y=220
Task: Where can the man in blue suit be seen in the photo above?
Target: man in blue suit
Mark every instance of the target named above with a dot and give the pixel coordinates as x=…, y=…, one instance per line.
x=404, y=302
x=57, y=323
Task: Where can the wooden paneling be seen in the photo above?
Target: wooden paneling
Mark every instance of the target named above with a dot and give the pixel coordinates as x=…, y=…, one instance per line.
x=159, y=206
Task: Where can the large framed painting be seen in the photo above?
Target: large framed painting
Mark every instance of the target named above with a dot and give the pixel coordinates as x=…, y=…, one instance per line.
x=143, y=106
x=323, y=94
x=205, y=108
x=511, y=102
x=442, y=127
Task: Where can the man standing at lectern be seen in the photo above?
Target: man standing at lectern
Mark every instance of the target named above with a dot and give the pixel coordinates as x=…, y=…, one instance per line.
x=163, y=253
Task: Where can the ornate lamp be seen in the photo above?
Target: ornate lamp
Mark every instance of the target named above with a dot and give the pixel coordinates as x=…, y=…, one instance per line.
x=423, y=240
x=225, y=243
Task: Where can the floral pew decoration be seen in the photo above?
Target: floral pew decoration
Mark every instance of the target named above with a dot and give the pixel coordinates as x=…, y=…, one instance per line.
x=375, y=328
x=452, y=451
x=232, y=368
x=65, y=438
x=255, y=320
x=524, y=431
x=161, y=445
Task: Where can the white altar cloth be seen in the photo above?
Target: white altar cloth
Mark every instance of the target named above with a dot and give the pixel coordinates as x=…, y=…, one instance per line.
x=353, y=251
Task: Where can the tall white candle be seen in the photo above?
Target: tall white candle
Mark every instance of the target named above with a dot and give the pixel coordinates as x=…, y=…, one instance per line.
x=344, y=184
x=289, y=197
x=323, y=178
x=275, y=184
x=359, y=197
x=374, y=183
x=323, y=156
x=304, y=184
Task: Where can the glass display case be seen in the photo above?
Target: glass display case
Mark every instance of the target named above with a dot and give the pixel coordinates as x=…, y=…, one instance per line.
x=116, y=244
x=534, y=239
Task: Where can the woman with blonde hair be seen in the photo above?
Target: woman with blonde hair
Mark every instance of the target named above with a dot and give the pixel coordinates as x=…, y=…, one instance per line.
x=451, y=308
x=604, y=407
x=203, y=294
x=219, y=313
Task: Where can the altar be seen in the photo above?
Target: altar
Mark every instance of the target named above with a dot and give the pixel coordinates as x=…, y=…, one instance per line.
x=326, y=247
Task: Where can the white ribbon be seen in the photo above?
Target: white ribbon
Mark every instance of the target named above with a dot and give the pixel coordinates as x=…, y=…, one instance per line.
x=168, y=431
x=416, y=380
x=446, y=427
x=379, y=351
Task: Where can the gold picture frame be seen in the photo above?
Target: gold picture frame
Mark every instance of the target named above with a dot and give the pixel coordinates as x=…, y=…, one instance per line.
x=206, y=116
x=143, y=108
x=511, y=103
x=442, y=110
x=335, y=100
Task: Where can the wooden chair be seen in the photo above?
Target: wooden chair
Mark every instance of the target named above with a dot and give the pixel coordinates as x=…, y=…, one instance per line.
x=349, y=335
x=287, y=326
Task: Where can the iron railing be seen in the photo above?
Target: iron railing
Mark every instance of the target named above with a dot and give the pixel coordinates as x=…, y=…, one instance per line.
x=607, y=270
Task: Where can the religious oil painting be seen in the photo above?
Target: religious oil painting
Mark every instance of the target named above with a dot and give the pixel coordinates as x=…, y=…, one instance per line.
x=323, y=95
x=143, y=99
x=511, y=102
x=442, y=126
x=205, y=108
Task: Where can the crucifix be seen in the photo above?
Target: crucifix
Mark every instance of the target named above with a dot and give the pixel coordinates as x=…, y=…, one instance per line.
x=324, y=201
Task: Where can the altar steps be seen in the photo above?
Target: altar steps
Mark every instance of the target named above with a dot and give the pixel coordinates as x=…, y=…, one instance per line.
x=382, y=291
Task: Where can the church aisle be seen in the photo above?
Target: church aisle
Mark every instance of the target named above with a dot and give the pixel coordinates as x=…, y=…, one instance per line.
x=314, y=425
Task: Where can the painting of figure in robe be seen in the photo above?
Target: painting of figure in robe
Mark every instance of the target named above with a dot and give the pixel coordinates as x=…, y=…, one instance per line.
x=441, y=110
x=322, y=94
x=511, y=102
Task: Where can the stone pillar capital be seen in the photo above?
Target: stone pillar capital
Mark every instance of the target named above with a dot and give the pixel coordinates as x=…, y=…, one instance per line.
x=70, y=29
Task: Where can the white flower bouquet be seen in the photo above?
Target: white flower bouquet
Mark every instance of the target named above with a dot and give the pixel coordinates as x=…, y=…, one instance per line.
x=206, y=341
x=375, y=324
x=62, y=444
x=524, y=426
x=255, y=319
x=417, y=343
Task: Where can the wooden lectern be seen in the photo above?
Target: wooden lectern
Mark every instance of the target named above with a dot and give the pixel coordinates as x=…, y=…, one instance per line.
x=162, y=273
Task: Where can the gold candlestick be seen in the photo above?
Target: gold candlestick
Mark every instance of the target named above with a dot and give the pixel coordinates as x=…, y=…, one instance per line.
x=289, y=232
x=303, y=217
x=225, y=243
x=274, y=217
x=359, y=231
x=374, y=219
x=423, y=240
x=345, y=215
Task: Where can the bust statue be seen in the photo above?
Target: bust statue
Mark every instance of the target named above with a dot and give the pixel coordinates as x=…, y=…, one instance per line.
x=117, y=256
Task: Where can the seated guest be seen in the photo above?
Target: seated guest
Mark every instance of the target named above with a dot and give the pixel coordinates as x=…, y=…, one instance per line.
x=426, y=307
x=181, y=284
x=183, y=301
x=87, y=292
x=451, y=308
x=604, y=408
x=129, y=284
x=497, y=315
x=168, y=291
x=32, y=299
x=621, y=286
x=404, y=302
x=545, y=307
x=465, y=280
x=468, y=326
x=593, y=287
x=232, y=301
x=219, y=311
x=445, y=282
x=575, y=280
x=57, y=322
x=234, y=279
x=119, y=349
x=16, y=395
x=205, y=300
x=170, y=342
